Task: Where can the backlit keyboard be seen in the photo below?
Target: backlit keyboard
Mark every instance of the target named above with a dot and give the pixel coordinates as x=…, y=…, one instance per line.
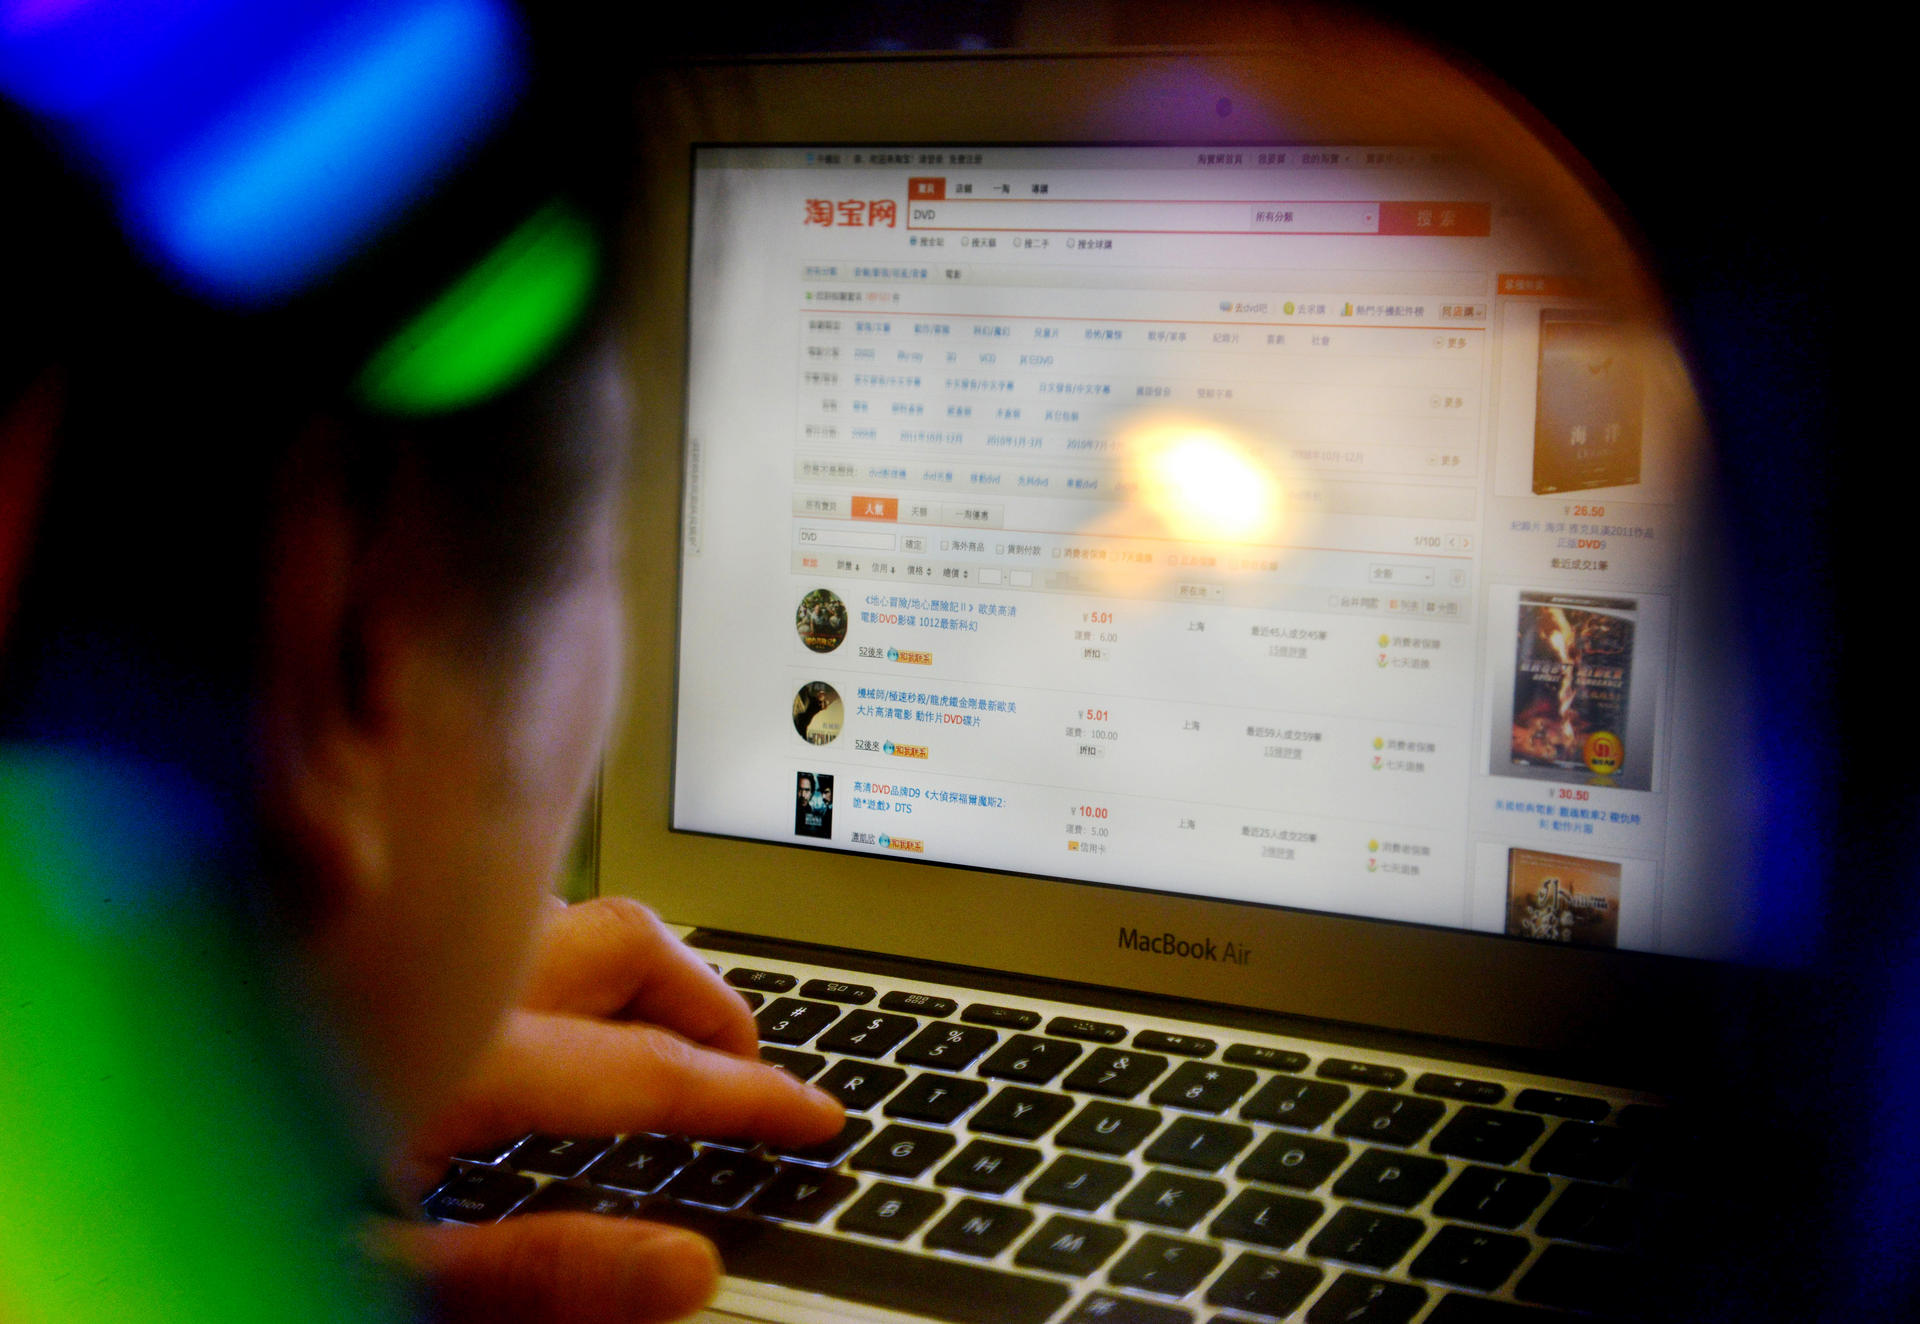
x=1011, y=1161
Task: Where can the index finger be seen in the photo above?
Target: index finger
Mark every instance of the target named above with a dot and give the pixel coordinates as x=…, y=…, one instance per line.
x=572, y=1076
x=613, y=957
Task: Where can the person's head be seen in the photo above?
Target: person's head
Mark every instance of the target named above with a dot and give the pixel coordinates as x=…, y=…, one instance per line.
x=806, y=787
x=389, y=649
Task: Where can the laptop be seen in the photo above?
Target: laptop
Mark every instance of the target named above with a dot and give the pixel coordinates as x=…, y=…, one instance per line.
x=1173, y=659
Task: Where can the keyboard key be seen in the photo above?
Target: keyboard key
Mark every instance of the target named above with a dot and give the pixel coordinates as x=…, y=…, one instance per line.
x=1031, y=1059
x=1576, y=1278
x=1297, y=1161
x=867, y=1034
x=930, y=1097
x=1575, y=1149
x=1022, y=1114
x=1362, y=1073
x=1466, y=1257
x=833, y=1149
x=490, y=1153
x=1262, y=1285
x=1356, y=1298
x=566, y=1198
x=1459, y=1087
x=1069, y=1245
x=1457, y=1308
x=1203, y=1088
x=949, y=1290
x=918, y=1004
x=1597, y=1215
x=949, y=1047
x=832, y=990
x=479, y=1195
x=890, y=1211
x=1165, y=1265
x=1385, y=1177
x=1110, y=1308
x=1108, y=1128
x=1649, y=1118
x=720, y=1179
x=1362, y=1236
x=791, y=1021
x=1273, y=1059
x=1389, y=1119
x=1117, y=1073
x=902, y=1151
x=559, y=1156
x=861, y=1085
x=642, y=1163
x=1488, y=1135
x=1487, y=1195
x=804, y=1195
x=1005, y=1018
x=1204, y=1146
x=1290, y=1102
x=754, y=1001
x=1266, y=1218
x=1074, y=1182
x=804, y=1065
x=1170, y=1199
x=1098, y=1032
x=989, y=1167
x=977, y=1227
x=1580, y=1107
x=766, y=981
x=1186, y=1045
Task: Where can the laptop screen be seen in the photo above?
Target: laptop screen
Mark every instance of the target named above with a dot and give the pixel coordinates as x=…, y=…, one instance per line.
x=1285, y=524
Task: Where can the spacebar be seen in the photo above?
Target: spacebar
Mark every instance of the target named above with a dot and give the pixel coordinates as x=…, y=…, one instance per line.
x=872, y=1275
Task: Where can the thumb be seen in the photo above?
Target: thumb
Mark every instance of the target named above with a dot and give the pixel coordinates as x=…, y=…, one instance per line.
x=573, y=1267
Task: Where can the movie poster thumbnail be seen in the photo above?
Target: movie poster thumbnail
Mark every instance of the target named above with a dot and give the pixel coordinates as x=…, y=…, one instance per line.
x=821, y=620
x=1563, y=898
x=1588, y=407
x=1573, y=669
x=818, y=712
x=813, y=805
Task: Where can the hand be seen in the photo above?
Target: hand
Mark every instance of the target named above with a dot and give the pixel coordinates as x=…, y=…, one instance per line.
x=622, y=1028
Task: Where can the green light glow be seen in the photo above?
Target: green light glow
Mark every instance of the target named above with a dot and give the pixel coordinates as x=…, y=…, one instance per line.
x=494, y=324
x=178, y=1172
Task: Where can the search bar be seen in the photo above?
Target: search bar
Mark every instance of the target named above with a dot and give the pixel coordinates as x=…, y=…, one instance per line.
x=1169, y=216
x=873, y=542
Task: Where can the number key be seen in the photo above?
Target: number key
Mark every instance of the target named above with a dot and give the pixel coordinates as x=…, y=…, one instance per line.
x=867, y=1034
x=947, y=1045
x=1204, y=1088
x=1292, y=1102
x=1030, y=1058
x=793, y=1021
x=1392, y=1119
x=1118, y=1073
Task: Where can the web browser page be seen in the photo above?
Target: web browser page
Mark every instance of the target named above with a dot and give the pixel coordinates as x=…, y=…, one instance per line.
x=1278, y=524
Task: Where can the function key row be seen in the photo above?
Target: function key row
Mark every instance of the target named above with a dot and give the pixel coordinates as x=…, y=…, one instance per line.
x=793, y=1027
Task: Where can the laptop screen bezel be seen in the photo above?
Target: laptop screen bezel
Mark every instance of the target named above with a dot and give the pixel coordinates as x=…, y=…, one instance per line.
x=1577, y=1011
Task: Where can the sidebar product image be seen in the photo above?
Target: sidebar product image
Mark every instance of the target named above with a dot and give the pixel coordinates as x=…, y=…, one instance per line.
x=1563, y=898
x=1573, y=666
x=1586, y=422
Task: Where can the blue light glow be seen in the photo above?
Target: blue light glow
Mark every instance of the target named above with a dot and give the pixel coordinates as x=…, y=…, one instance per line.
x=314, y=163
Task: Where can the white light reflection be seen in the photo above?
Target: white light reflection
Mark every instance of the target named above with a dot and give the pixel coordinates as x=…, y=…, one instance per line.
x=1201, y=483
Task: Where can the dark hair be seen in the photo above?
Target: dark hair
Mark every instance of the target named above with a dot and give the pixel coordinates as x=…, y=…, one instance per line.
x=138, y=629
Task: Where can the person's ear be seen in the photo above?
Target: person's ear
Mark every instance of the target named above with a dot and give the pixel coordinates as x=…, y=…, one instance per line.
x=26, y=448
x=330, y=706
